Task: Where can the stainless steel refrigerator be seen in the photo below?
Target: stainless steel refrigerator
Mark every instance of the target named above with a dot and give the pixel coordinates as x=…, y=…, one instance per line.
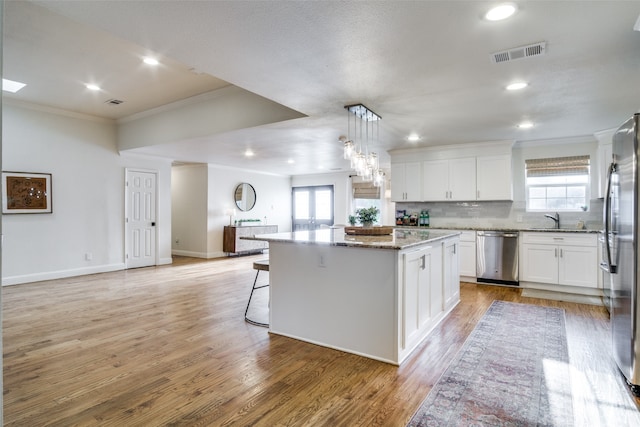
x=621, y=252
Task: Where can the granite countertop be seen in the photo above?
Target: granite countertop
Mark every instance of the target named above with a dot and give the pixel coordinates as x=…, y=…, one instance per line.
x=523, y=229
x=401, y=238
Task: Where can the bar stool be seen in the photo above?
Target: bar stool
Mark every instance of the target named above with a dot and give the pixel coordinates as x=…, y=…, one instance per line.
x=262, y=265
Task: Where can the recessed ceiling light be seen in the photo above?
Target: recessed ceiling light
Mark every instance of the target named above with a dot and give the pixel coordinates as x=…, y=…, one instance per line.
x=150, y=61
x=500, y=12
x=525, y=125
x=92, y=87
x=11, y=86
x=290, y=161
x=248, y=153
x=413, y=137
x=517, y=86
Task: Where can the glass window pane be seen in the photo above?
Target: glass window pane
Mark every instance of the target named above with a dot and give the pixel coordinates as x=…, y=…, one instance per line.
x=537, y=192
x=537, y=204
x=556, y=204
x=323, y=204
x=301, y=205
x=576, y=192
x=576, y=203
x=556, y=192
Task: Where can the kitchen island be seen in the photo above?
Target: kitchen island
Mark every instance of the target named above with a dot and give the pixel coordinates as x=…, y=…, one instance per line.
x=375, y=296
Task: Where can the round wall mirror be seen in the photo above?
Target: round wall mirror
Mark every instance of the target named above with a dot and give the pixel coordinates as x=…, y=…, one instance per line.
x=245, y=196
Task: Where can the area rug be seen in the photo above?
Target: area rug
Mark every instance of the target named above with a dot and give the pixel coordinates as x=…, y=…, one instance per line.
x=513, y=370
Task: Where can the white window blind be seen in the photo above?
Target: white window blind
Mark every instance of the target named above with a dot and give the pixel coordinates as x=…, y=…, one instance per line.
x=365, y=190
x=558, y=166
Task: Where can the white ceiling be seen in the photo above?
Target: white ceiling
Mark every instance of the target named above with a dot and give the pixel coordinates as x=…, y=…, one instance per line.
x=423, y=66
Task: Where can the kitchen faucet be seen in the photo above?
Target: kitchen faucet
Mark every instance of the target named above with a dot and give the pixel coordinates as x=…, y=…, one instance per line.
x=556, y=218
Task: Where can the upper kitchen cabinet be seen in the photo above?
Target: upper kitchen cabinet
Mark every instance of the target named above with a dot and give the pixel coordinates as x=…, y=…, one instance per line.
x=466, y=172
x=449, y=180
x=493, y=178
x=406, y=179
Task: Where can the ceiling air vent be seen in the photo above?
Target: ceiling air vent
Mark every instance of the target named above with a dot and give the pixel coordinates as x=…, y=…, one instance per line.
x=519, y=53
x=113, y=102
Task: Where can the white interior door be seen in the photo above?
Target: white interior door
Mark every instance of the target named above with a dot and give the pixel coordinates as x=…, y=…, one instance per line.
x=141, y=219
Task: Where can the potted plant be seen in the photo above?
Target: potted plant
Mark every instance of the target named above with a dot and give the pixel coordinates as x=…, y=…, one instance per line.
x=352, y=220
x=367, y=216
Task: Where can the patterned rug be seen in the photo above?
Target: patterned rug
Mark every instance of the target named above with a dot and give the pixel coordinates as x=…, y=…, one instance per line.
x=513, y=370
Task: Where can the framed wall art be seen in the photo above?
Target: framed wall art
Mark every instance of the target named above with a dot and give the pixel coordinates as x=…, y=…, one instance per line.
x=25, y=192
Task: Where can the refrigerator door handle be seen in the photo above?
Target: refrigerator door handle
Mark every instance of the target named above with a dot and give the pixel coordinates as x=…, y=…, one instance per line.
x=607, y=218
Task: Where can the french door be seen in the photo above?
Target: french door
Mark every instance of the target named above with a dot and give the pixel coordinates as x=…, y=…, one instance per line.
x=312, y=207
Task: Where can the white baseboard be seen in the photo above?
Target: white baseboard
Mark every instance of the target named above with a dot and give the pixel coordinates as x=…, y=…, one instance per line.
x=61, y=274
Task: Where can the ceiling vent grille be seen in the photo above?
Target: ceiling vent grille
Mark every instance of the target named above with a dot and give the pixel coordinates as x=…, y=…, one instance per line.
x=519, y=53
x=113, y=102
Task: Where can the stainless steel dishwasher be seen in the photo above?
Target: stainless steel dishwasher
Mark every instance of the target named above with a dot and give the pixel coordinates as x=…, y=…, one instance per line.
x=497, y=257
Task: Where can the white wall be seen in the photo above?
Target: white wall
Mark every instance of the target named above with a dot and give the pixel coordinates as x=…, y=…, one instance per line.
x=189, y=196
x=88, y=195
x=206, y=218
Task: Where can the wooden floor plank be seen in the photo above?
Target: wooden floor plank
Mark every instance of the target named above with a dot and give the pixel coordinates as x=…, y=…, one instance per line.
x=168, y=345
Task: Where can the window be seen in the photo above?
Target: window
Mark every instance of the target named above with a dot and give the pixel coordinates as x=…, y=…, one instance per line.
x=557, y=184
x=366, y=195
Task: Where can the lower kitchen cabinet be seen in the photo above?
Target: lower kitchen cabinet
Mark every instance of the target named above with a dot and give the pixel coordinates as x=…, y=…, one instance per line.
x=430, y=289
x=451, y=273
x=467, y=255
x=422, y=292
x=569, y=259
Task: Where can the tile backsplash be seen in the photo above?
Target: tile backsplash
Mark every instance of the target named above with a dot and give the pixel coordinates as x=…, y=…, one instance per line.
x=502, y=214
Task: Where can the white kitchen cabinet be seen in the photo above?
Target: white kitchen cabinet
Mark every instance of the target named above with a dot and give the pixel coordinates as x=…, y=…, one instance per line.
x=569, y=259
x=451, y=273
x=406, y=182
x=449, y=180
x=494, y=180
x=419, y=277
x=467, y=254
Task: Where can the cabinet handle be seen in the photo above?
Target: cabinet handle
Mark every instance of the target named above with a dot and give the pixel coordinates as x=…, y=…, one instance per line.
x=560, y=253
x=424, y=262
x=556, y=252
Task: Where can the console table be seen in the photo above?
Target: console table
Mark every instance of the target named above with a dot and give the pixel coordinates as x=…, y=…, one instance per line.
x=232, y=243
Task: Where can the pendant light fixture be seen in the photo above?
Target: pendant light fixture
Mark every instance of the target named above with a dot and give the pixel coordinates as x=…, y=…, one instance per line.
x=366, y=128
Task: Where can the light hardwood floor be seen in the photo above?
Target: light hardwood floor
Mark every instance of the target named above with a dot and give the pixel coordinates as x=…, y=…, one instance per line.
x=168, y=346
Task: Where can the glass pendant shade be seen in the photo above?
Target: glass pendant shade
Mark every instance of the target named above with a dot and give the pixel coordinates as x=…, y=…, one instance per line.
x=348, y=149
x=366, y=129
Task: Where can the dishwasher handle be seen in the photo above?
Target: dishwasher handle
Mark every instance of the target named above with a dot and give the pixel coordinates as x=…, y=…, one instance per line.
x=498, y=234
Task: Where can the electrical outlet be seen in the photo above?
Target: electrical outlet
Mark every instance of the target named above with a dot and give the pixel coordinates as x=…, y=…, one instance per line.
x=88, y=256
x=519, y=218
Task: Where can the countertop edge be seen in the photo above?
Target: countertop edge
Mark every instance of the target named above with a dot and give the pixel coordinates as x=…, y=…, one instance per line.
x=286, y=237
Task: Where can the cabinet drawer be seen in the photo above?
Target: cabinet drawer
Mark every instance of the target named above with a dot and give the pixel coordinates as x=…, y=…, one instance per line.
x=572, y=239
